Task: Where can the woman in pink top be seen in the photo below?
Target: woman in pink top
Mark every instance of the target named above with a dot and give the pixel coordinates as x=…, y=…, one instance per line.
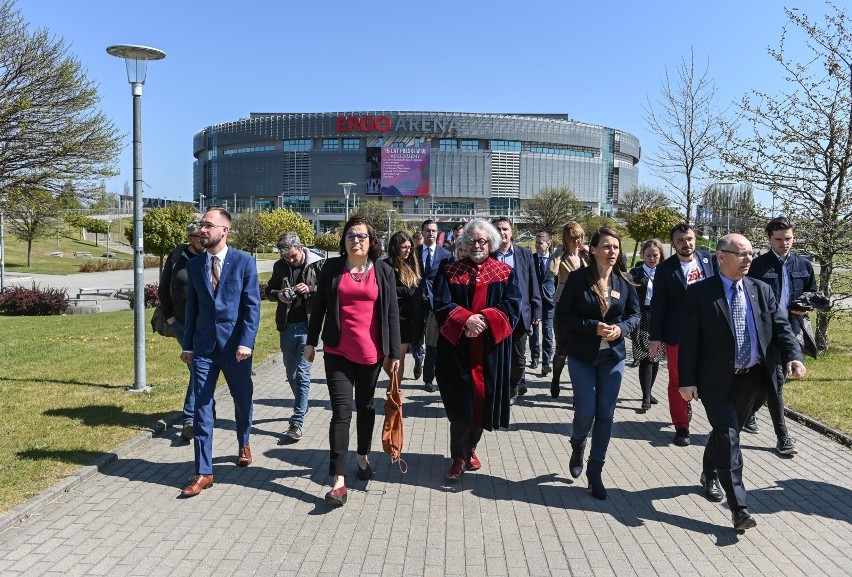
x=355, y=308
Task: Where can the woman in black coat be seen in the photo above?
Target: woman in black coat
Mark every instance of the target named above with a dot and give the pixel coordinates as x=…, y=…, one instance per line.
x=598, y=308
x=643, y=277
x=406, y=268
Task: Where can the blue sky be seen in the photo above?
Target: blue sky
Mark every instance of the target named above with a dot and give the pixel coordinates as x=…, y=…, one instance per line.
x=596, y=61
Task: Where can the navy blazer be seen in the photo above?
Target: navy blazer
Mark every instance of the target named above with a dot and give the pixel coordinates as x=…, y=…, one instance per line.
x=578, y=312
x=546, y=281
x=706, y=353
x=767, y=267
x=667, y=310
x=441, y=256
x=528, y=284
x=231, y=318
x=325, y=310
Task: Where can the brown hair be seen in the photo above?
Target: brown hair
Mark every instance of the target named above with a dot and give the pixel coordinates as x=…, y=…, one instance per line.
x=408, y=270
x=375, y=250
x=592, y=273
x=571, y=229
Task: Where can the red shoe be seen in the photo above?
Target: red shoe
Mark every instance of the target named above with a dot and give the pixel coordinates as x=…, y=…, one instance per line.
x=336, y=497
x=456, y=470
x=197, y=484
x=473, y=462
x=244, y=459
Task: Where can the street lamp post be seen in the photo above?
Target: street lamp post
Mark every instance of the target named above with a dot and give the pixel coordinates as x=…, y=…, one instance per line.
x=316, y=212
x=201, y=198
x=347, y=188
x=109, y=227
x=390, y=211
x=136, y=60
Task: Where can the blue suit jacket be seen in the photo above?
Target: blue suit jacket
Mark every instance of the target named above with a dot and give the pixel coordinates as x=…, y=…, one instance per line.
x=229, y=320
x=546, y=281
x=667, y=310
x=767, y=268
x=441, y=256
x=528, y=284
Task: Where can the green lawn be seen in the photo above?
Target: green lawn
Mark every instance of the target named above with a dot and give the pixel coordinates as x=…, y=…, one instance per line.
x=62, y=392
x=43, y=263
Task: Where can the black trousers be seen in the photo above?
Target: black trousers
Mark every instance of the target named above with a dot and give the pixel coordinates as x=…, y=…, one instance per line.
x=722, y=454
x=343, y=377
x=463, y=440
x=647, y=375
x=775, y=402
x=517, y=373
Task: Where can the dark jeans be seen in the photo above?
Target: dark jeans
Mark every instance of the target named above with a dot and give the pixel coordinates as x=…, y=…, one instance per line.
x=189, y=399
x=543, y=331
x=463, y=439
x=596, y=387
x=343, y=376
x=722, y=454
x=517, y=374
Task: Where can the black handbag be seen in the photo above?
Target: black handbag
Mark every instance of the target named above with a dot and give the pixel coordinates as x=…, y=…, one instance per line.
x=159, y=324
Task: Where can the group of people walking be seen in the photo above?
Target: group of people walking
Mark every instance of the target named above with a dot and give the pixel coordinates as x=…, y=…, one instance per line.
x=473, y=305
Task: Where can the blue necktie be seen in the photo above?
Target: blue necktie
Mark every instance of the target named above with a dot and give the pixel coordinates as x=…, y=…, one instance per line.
x=428, y=266
x=738, y=314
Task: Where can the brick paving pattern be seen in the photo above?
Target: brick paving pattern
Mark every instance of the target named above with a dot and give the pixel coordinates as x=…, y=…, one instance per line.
x=521, y=514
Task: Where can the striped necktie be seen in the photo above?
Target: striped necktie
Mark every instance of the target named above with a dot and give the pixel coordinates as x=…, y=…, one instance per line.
x=214, y=270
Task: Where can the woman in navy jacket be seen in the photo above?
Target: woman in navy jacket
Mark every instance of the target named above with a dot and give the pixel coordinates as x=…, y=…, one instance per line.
x=598, y=308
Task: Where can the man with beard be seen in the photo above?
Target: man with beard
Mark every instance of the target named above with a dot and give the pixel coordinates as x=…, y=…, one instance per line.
x=477, y=304
x=686, y=267
x=222, y=318
x=736, y=344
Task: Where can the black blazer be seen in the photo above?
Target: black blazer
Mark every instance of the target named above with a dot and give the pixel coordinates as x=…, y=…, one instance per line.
x=578, y=312
x=640, y=277
x=326, y=308
x=767, y=268
x=706, y=351
x=667, y=310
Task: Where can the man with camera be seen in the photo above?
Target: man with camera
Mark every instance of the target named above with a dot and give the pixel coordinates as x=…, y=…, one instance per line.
x=292, y=286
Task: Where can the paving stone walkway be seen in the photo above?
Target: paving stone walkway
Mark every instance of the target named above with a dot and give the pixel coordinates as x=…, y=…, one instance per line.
x=521, y=514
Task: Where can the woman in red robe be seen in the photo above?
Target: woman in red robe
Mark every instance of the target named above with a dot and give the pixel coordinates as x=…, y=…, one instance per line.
x=477, y=304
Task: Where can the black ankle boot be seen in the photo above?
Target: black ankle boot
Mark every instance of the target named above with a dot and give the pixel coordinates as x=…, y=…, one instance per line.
x=575, y=465
x=593, y=474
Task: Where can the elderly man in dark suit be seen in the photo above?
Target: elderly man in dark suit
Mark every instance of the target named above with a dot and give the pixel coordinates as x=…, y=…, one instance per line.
x=541, y=346
x=520, y=259
x=684, y=268
x=432, y=256
x=734, y=343
x=222, y=318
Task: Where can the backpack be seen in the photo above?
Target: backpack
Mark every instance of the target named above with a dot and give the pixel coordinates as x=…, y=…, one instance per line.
x=392, y=436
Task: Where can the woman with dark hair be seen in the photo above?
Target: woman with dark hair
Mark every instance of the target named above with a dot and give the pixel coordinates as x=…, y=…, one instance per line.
x=572, y=256
x=356, y=309
x=406, y=268
x=598, y=308
x=643, y=275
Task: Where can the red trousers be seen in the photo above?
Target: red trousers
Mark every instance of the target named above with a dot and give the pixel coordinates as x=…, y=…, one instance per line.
x=678, y=408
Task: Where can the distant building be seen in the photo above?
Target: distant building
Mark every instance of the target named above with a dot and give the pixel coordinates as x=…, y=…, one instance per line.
x=470, y=163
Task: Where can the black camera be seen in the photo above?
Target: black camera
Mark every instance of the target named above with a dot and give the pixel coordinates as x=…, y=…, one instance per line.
x=289, y=292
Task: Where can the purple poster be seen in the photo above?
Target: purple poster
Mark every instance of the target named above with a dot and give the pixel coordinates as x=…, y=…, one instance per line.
x=405, y=171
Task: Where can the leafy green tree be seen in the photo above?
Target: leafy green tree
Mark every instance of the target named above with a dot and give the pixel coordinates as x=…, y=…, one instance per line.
x=102, y=201
x=593, y=222
x=248, y=232
x=277, y=222
x=651, y=223
x=328, y=242
x=30, y=214
x=50, y=130
x=163, y=229
x=798, y=144
x=377, y=211
x=640, y=198
x=95, y=225
x=67, y=199
x=550, y=209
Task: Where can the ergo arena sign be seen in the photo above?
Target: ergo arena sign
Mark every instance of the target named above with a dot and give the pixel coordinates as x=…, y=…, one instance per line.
x=371, y=123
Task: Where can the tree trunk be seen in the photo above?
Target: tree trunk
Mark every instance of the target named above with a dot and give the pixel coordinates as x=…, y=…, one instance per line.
x=824, y=319
x=30, y=253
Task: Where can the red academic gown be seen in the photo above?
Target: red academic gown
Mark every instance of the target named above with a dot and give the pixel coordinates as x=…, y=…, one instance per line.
x=473, y=373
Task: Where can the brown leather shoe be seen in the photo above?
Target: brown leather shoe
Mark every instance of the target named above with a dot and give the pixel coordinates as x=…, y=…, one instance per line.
x=244, y=460
x=197, y=484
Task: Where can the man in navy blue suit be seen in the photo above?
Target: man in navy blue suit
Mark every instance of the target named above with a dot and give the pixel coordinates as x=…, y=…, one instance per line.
x=222, y=318
x=520, y=259
x=432, y=256
x=547, y=284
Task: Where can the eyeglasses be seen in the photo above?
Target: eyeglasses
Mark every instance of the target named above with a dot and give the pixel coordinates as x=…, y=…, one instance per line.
x=209, y=225
x=360, y=237
x=477, y=241
x=743, y=254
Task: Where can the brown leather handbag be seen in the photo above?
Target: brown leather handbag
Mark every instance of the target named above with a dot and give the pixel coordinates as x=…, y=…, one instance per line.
x=392, y=436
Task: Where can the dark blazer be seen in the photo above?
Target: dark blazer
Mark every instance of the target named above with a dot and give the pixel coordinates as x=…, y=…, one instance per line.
x=667, y=309
x=441, y=256
x=546, y=282
x=767, y=267
x=578, y=312
x=706, y=350
x=637, y=273
x=172, y=289
x=231, y=318
x=326, y=308
x=528, y=284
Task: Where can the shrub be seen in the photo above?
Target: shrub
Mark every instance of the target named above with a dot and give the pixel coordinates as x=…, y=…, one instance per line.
x=152, y=296
x=35, y=301
x=100, y=265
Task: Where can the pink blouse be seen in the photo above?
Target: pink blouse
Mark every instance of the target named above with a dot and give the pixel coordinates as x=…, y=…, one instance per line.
x=360, y=319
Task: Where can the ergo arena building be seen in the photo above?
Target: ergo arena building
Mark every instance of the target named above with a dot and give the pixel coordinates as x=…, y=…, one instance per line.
x=468, y=163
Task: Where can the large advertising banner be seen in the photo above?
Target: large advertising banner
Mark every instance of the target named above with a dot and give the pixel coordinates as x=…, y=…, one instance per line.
x=405, y=171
